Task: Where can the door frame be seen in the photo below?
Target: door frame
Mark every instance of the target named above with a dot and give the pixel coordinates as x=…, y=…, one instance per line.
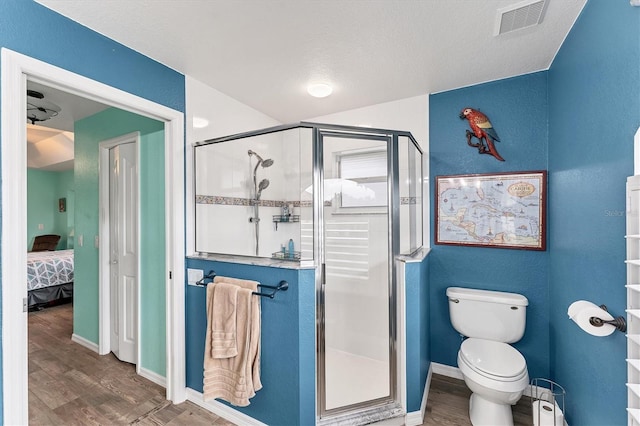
x=15, y=69
x=104, y=277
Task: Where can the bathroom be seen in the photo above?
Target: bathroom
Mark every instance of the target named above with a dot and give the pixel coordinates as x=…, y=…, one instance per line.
x=267, y=175
x=546, y=121
x=583, y=265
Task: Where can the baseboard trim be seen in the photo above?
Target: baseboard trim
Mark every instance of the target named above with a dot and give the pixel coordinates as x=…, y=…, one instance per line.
x=416, y=418
x=222, y=410
x=446, y=370
x=153, y=376
x=84, y=342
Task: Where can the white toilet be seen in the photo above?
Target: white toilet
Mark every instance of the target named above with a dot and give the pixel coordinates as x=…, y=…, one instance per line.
x=495, y=372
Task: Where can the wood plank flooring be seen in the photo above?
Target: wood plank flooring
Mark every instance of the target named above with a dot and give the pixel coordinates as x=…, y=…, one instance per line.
x=71, y=385
x=448, y=404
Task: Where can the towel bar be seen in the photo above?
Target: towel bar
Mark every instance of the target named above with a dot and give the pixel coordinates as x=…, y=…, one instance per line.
x=282, y=285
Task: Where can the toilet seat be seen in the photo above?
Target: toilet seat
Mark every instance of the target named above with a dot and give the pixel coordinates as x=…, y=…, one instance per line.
x=494, y=360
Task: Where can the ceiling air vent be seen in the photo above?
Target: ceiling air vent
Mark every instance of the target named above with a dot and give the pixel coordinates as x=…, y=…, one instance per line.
x=519, y=16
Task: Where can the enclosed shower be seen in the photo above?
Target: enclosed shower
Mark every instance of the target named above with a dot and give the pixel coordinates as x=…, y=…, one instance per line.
x=349, y=200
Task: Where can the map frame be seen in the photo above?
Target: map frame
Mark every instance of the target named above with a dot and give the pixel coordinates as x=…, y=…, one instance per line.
x=508, y=192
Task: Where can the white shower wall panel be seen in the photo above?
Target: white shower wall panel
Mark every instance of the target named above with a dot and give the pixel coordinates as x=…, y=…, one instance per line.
x=226, y=229
x=357, y=303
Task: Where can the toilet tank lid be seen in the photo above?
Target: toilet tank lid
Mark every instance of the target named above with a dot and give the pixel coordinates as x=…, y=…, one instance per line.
x=487, y=296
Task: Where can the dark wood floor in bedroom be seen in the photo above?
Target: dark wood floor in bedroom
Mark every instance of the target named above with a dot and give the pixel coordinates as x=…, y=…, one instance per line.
x=71, y=385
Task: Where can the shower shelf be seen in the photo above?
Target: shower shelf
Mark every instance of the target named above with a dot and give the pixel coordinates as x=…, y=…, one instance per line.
x=294, y=257
x=281, y=218
x=286, y=218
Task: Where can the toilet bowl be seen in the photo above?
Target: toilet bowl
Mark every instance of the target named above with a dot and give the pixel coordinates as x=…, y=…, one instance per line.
x=494, y=371
x=497, y=375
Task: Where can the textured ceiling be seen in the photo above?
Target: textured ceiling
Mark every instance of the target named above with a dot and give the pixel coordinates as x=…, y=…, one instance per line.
x=265, y=52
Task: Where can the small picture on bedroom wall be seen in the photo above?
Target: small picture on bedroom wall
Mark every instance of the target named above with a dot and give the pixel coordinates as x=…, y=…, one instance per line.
x=62, y=205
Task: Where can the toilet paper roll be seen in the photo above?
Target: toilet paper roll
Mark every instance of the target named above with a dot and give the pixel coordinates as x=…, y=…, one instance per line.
x=545, y=414
x=581, y=311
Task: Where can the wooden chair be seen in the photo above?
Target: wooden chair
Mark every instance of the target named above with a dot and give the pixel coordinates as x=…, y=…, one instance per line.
x=45, y=242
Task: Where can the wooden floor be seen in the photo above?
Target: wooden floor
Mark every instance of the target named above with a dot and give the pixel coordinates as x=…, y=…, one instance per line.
x=71, y=385
x=448, y=404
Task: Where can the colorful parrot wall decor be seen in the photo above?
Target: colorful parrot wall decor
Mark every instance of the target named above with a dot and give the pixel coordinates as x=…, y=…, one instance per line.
x=482, y=130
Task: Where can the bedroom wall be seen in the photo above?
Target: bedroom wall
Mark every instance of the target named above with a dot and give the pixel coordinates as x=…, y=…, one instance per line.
x=44, y=188
x=89, y=132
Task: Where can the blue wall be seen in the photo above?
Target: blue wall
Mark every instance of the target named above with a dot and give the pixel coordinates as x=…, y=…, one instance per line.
x=417, y=325
x=591, y=110
x=78, y=49
x=288, y=342
x=517, y=108
x=594, y=111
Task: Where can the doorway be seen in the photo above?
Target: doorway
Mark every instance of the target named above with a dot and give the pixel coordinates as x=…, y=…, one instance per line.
x=119, y=234
x=15, y=69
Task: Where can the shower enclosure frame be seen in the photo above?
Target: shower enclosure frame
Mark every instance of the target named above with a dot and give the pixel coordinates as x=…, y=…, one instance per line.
x=320, y=131
x=391, y=137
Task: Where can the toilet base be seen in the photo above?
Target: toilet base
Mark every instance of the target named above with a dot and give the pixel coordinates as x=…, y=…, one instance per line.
x=483, y=412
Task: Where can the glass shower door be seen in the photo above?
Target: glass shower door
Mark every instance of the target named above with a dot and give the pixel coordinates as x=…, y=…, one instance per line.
x=355, y=329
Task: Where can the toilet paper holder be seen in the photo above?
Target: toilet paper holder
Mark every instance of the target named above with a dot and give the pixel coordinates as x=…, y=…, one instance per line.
x=619, y=322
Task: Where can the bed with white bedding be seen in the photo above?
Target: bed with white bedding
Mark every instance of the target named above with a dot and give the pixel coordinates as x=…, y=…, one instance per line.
x=49, y=276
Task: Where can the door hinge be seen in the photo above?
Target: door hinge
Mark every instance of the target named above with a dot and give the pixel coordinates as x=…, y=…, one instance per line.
x=170, y=275
x=24, y=304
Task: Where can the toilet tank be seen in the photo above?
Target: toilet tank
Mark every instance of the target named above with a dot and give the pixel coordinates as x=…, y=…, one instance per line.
x=484, y=314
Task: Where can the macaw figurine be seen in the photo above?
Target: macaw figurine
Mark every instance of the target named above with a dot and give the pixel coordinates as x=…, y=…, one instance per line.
x=482, y=130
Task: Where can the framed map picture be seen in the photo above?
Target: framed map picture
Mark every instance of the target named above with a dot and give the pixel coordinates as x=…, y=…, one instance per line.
x=492, y=210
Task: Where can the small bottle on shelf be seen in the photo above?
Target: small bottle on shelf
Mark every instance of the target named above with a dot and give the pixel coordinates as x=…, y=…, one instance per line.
x=291, y=251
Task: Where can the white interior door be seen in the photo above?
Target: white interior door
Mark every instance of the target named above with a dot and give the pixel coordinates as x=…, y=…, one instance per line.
x=123, y=251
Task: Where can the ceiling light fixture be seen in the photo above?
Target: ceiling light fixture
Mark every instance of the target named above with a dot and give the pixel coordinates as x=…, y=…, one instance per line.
x=38, y=109
x=319, y=90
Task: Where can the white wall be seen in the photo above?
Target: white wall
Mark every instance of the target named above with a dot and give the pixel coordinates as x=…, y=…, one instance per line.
x=226, y=116
x=226, y=170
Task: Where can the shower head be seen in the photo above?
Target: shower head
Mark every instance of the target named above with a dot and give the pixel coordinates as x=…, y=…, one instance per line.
x=267, y=163
x=264, y=183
